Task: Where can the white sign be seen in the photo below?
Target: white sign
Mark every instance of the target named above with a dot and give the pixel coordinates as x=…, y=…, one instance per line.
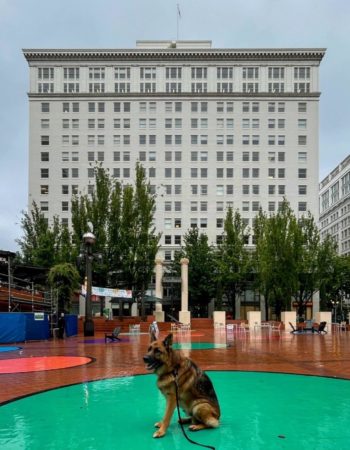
x=39, y=316
x=108, y=292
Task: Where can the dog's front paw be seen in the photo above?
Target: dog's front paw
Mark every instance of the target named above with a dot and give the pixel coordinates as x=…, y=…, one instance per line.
x=158, y=434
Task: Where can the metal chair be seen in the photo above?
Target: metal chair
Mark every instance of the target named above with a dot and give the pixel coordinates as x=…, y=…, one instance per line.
x=321, y=328
x=276, y=326
x=114, y=335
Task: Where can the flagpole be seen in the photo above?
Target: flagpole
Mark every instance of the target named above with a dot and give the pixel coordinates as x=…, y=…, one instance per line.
x=177, y=23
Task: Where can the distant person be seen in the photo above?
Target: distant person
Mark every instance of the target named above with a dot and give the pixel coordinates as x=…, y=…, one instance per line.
x=153, y=329
x=61, y=326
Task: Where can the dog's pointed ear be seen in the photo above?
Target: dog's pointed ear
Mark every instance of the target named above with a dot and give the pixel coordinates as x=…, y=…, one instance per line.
x=168, y=341
x=153, y=336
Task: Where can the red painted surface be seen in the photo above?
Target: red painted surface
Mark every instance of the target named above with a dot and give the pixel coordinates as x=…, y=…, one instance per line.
x=40, y=363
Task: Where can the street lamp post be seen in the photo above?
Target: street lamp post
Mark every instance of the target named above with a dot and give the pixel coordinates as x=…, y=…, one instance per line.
x=335, y=306
x=89, y=240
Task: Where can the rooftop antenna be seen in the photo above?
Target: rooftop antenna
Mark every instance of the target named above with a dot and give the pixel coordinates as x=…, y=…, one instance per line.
x=178, y=17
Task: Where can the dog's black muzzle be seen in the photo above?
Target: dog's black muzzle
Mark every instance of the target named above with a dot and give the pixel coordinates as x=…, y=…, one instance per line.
x=152, y=363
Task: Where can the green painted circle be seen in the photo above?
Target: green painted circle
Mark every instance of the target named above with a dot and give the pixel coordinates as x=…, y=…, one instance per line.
x=197, y=345
x=260, y=411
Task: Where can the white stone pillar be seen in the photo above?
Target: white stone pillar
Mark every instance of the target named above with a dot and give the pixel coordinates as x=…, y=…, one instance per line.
x=254, y=319
x=289, y=316
x=325, y=316
x=315, y=304
x=159, y=313
x=108, y=307
x=219, y=318
x=134, y=310
x=81, y=305
x=184, y=315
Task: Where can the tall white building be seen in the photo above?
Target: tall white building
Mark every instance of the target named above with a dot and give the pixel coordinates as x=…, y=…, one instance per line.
x=212, y=127
x=335, y=206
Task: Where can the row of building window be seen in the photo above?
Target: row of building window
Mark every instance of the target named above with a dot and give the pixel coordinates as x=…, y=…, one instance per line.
x=173, y=87
x=176, y=123
x=202, y=189
x=169, y=156
x=201, y=156
x=170, y=107
x=176, y=139
x=148, y=73
x=177, y=172
x=203, y=207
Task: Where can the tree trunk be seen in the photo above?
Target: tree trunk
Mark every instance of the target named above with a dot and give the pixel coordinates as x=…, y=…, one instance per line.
x=143, y=301
x=278, y=309
x=267, y=307
x=232, y=297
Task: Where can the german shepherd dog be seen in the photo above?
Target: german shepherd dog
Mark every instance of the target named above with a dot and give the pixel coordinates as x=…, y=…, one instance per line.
x=180, y=376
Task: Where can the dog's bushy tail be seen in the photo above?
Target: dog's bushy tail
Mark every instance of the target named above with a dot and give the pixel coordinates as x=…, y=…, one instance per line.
x=212, y=422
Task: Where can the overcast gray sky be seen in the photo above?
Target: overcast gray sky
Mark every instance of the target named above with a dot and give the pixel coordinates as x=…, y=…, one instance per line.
x=118, y=24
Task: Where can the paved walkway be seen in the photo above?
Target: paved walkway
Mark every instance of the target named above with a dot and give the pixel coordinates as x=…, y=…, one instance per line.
x=28, y=370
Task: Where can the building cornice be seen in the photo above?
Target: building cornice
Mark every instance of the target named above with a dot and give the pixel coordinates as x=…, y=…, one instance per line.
x=201, y=95
x=340, y=170
x=307, y=54
x=178, y=96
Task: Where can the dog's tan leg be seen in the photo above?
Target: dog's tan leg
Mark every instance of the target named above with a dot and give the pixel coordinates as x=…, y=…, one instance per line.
x=185, y=420
x=164, y=424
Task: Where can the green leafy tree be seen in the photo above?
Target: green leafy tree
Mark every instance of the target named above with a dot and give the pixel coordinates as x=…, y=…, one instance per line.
x=261, y=262
x=336, y=284
x=278, y=245
x=122, y=219
x=201, y=271
x=138, y=241
x=173, y=272
x=64, y=278
x=127, y=238
x=95, y=210
x=65, y=252
x=315, y=264
x=291, y=262
x=233, y=262
x=145, y=237
x=114, y=239
x=41, y=244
